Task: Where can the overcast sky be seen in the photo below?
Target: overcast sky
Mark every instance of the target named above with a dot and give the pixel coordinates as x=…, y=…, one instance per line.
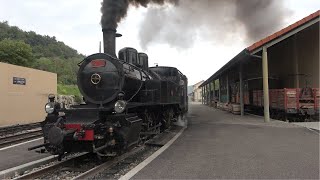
x=76, y=23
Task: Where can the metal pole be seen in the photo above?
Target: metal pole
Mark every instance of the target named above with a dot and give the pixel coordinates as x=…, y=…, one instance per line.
x=205, y=94
x=214, y=91
x=202, y=95
x=228, y=88
x=296, y=65
x=241, y=91
x=265, y=84
x=219, y=90
x=209, y=94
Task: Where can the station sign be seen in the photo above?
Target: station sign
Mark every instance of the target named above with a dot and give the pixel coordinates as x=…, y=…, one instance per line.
x=19, y=81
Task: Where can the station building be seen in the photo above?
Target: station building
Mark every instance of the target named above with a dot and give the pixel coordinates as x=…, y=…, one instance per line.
x=196, y=92
x=288, y=58
x=24, y=93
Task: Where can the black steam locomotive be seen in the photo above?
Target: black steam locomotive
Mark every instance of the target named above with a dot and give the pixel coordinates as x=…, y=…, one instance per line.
x=125, y=102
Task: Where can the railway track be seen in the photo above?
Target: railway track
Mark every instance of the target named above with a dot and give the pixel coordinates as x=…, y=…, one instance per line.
x=17, y=128
x=91, y=173
x=47, y=171
x=20, y=137
x=88, y=166
x=83, y=166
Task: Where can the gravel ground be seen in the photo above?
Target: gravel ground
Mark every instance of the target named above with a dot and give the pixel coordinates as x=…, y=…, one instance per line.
x=121, y=168
x=18, y=174
x=116, y=171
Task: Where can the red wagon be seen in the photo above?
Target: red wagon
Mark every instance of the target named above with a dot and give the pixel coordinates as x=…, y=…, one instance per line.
x=290, y=100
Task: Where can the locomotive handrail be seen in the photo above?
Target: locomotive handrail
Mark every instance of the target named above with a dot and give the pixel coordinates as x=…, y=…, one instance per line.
x=141, y=84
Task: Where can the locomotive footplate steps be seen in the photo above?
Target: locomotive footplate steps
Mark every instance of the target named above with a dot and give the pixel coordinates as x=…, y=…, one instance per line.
x=163, y=138
x=219, y=145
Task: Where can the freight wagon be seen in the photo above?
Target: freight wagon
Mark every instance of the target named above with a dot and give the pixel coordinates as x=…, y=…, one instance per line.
x=289, y=102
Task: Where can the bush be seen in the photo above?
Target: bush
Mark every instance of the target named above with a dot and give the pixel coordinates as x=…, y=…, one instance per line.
x=16, y=52
x=69, y=90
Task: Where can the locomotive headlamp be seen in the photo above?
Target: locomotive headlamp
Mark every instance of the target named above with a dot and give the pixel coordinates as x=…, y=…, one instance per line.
x=51, y=97
x=120, y=106
x=49, y=107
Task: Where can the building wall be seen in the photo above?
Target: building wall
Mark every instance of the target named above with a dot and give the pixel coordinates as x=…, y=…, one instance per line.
x=295, y=61
x=197, y=92
x=197, y=95
x=21, y=104
x=308, y=56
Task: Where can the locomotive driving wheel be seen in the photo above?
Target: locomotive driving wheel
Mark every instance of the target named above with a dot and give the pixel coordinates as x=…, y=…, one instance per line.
x=150, y=125
x=148, y=121
x=168, y=116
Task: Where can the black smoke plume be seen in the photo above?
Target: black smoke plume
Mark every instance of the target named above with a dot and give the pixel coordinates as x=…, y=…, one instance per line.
x=113, y=11
x=219, y=21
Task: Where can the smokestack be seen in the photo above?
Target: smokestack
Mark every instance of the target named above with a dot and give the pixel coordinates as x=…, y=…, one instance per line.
x=109, y=41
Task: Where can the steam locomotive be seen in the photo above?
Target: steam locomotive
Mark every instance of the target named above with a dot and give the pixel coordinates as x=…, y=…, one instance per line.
x=125, y=102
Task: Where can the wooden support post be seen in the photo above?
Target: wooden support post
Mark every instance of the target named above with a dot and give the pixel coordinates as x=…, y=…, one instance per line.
x=265, y=84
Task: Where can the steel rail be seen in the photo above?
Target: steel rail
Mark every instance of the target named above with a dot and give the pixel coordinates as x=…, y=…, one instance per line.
x=17, y=128
x=17, y=138
x=100, y=168
x=49, y=169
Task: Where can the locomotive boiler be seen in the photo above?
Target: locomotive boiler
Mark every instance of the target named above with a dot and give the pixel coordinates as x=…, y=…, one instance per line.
x=125, y=103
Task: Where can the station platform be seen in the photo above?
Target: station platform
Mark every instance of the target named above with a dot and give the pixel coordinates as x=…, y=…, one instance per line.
x=16, y=155
x=310, y=125
x=220, y=145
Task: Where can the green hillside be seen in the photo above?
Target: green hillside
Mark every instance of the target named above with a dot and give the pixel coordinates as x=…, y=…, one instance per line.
x=42, y=46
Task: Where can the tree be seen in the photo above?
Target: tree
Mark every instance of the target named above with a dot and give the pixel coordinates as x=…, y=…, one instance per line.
x=16, y=52
x=40, y=52
x=42, y=46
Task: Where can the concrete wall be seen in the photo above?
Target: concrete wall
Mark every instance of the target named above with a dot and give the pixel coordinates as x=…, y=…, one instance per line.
x=21, y=104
